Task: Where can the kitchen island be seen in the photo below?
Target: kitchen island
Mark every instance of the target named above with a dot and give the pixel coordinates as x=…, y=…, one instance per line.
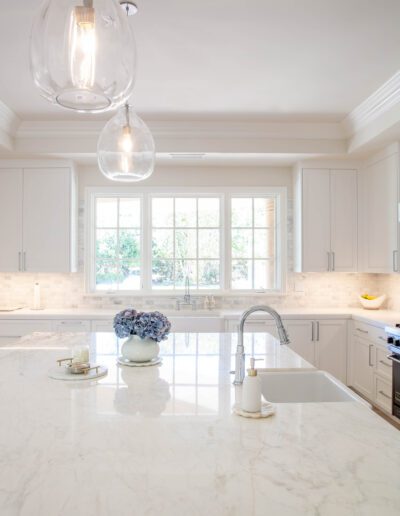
x=163, y=441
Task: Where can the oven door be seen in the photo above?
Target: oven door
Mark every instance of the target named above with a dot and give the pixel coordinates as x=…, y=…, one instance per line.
x=396, y=384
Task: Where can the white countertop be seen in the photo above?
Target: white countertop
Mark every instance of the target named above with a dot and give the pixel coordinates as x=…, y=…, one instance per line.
x=379, y=318
x=163, y=441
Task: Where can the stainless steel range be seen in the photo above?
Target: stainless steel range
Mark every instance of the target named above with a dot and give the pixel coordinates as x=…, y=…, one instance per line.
x=393, y=341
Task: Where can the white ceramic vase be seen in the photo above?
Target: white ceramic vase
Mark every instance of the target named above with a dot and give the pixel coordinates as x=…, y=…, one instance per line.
x=136, y=349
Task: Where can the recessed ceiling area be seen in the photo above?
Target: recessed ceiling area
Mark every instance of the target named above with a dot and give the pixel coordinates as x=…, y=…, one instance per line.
x=260, y=59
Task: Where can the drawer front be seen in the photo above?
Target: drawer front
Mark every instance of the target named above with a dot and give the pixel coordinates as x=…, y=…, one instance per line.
x=196, y=324
x=367, y=331
x=383, y=365
x=19, y=328
x=71, y=325
x=103, y=326
x=383, y=394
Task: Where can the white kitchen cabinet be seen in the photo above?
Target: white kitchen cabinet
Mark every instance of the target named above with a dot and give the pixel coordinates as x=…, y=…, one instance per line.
x=331, y=347
x=19, y=328
x=10, y=220
x=72, y=325
x=325, y=220
x=103, y=326
x=362, y=351
x=196, y=324
x=378, y=199
x=38, y=219
x=301, y=335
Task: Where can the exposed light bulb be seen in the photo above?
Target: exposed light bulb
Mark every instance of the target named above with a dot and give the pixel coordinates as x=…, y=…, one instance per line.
x=83, y=47
x=126, y=142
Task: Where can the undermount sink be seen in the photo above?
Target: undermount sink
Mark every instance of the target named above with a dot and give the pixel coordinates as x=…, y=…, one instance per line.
x=303, y=387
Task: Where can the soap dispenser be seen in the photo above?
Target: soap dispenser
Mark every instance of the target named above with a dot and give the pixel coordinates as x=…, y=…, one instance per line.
x=251, y=390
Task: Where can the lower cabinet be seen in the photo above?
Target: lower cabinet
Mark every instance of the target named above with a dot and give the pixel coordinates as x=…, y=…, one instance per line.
x=323, y=343
x=370, y=370
x=68, y=325
x=362, y=366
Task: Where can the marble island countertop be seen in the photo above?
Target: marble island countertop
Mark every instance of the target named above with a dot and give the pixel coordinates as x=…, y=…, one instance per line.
x=163, y=440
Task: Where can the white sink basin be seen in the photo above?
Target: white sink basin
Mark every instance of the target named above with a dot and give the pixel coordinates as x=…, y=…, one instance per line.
x=303, y=387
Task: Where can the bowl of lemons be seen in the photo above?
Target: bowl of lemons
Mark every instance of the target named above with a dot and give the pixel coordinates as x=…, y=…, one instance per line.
x=371, y=302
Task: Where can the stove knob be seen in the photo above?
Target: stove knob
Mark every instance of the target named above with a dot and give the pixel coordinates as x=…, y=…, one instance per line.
x=397, y=342
x=390, y=340
x=397, y=325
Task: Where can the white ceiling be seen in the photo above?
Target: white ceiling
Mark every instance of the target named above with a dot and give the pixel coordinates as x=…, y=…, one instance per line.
x=270, y=59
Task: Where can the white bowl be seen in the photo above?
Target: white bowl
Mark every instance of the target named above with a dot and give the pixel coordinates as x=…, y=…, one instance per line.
x=372, y=304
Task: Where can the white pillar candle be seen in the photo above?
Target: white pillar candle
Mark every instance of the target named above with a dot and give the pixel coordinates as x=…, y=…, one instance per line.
x=80, y=354
x=36, y=297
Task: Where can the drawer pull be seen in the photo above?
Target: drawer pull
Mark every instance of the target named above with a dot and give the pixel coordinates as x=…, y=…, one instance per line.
x=385, y=395
x=362, y=331
x=385, y=363
x=382, y=338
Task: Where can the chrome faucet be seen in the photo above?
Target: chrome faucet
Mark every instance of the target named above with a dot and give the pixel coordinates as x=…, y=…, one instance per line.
x=187, y=298
x=240, y=355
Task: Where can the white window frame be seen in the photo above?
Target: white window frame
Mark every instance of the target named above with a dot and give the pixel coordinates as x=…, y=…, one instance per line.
x=225, y=195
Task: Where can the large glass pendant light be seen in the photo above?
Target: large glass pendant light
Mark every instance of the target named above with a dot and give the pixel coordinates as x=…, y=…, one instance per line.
x=125, y=149
x=83, y=54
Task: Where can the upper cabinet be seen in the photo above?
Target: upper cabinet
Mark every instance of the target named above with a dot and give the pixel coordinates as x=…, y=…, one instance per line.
x=378, y=200
x=325, y=220
x=38, y=219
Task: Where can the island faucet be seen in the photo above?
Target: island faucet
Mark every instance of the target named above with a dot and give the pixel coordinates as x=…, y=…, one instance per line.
x=240, y=355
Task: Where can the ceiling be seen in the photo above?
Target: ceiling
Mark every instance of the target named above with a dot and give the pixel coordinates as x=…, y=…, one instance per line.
x=232, y=59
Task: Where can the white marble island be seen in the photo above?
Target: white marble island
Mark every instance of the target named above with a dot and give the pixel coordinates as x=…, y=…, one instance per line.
x=163, y=440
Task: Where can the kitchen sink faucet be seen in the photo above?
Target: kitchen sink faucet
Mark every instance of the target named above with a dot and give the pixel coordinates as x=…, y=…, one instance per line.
x=240, y=355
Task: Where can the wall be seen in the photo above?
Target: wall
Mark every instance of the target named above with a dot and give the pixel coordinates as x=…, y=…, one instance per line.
x=305, y=290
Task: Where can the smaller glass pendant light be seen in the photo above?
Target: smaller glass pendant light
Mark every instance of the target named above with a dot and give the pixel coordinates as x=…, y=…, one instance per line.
x=125, y=150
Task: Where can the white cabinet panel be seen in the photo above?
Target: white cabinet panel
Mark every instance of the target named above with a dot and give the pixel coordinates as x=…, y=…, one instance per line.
x=103, y=326
x=300, y=334
x=10, y=219
x=331, y=348
x=378, y=221
x=315, y=220
x=383, y=393
x=343, y=220
x=47, y=220
x=362, y=366
x=71, y=325
x=196, y=324
x=18, y=328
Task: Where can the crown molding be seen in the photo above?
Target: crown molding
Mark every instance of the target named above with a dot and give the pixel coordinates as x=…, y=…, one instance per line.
x=381, y=101
x=9, y=123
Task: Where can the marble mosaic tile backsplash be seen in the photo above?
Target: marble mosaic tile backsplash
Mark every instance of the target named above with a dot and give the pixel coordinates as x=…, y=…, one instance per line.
x=304, y=290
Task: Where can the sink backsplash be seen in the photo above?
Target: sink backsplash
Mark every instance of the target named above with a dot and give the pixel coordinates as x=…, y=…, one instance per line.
x=304, y=290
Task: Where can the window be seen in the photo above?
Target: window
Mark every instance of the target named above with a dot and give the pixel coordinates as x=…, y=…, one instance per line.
x=118, y=243
x=253, y=233
x=151, y=240
x=185, y=242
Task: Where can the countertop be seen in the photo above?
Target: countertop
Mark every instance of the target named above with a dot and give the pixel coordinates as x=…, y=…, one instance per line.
x=378, y=318
x=163, y=440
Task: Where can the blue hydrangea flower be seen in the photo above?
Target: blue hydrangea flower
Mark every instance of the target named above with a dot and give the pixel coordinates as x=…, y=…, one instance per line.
x=153, y=325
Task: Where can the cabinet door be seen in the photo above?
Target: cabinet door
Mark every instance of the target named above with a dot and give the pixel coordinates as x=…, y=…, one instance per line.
x=10, y=219
x=344, y=220
x=103, y=326
x=73, y=325
x=315, y=220
x=331, y=347
x=47, y=220
x=379, y=215
x=300, y=335
x=362, y=365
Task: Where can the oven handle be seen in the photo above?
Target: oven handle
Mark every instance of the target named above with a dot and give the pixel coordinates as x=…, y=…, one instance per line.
x=393, y=359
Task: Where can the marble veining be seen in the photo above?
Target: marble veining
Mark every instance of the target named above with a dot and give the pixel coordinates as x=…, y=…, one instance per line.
x=163, y=440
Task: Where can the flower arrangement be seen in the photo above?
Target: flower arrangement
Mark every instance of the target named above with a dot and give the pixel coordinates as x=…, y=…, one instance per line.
x=152, y=325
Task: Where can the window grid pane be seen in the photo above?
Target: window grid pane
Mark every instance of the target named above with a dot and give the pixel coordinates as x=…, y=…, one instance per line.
x=253, y=248
x=186, y=259
x=117, y=249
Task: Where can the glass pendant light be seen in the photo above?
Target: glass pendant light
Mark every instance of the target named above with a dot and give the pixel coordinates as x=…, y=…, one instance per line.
x=83, y=54
x=125, y=149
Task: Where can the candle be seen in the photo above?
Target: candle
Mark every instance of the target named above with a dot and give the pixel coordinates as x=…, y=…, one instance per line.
x=80, y=354
x=36, y=297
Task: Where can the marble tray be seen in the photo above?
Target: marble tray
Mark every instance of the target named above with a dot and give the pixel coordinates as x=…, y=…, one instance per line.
x=60, y=373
